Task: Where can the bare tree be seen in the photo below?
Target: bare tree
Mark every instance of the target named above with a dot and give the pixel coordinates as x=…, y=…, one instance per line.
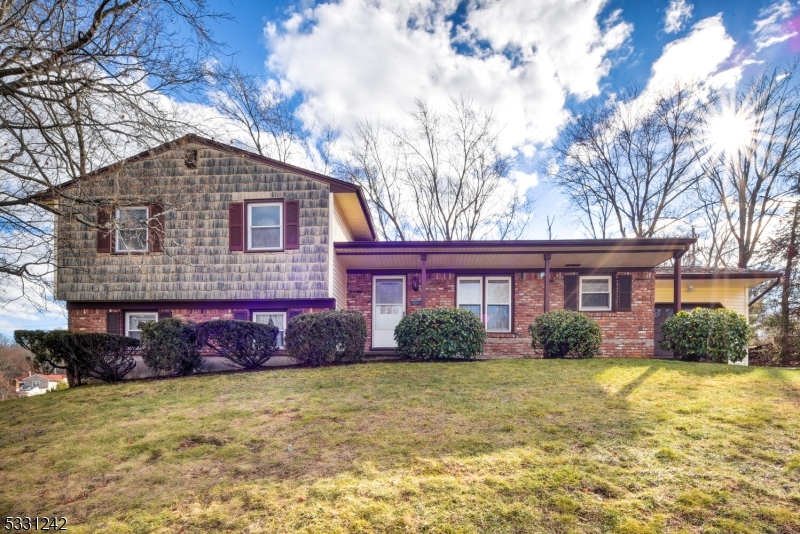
x=633, y=160
x=440, y=178
x=83, y=83
x=751, y=181
x=262, y=112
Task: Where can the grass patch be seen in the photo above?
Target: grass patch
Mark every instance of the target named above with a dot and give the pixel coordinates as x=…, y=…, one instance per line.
x=495, y=446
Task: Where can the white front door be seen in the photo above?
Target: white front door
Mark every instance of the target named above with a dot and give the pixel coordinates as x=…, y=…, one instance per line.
x=388, y=307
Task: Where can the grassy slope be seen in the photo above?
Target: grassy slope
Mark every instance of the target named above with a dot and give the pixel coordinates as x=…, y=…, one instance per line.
x=501, y=446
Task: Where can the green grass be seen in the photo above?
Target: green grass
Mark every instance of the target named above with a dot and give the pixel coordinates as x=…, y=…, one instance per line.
x=495, y=446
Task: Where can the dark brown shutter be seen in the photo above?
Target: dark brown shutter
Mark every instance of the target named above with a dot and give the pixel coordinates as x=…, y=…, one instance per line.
x=113, y=323
x=164, y=315
x=571, y=292
x=240, y=316
x=103, y=236
x=625, y=290
x=235, y=226
x=291, y=314
x=156, y=224
x=292, y=223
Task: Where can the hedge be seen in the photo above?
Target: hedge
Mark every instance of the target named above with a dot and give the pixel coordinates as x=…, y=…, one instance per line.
x=245, y=344
x=564, y=333
x=171, y=347
x=717, y=335
x=439, y=334
x=326, y=337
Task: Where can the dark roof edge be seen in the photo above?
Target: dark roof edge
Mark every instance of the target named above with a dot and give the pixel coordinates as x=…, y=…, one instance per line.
x=733, y=275
x=336, y=185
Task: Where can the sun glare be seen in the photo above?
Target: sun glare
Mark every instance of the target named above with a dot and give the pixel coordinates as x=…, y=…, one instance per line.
x=729, y=130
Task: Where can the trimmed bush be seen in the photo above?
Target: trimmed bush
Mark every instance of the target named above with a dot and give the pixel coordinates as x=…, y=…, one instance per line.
x=109, y=357
x=717, y=335
x=326, y=337
x=170, y=347
x=55, y=349
x=440, y=334
x=245, y=344
x=565, y=333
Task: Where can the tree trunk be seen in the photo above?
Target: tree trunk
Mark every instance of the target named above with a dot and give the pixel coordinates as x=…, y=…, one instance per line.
x=791, y=252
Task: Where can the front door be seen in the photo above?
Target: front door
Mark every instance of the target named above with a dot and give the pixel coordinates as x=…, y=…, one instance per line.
x=388, y=307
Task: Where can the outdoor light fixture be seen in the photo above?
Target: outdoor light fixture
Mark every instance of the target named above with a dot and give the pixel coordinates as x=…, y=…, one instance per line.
x=690, y=289
x=415, y=283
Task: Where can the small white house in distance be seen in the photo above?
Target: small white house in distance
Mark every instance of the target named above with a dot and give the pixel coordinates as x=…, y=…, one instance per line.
x=37, y=383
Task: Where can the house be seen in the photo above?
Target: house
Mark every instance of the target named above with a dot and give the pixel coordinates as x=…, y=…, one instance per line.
x=200, y=230
x=37, y=383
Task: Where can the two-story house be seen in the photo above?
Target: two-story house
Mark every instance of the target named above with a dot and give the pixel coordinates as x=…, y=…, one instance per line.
x=198, y=230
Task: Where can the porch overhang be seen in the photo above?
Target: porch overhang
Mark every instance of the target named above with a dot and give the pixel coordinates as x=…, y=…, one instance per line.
x=575, y=254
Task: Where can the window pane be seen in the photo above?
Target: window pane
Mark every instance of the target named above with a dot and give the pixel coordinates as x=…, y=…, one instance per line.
x=498, y=318
x=135, y=321
x=265, y=215
x=265, y=238
x=469, y=292
x=594, y=286
x=131, y=240
x=476, y=309
x=595, y=300
x=275, y=318
x=498, y=291
x=132, y=216
x=389, y=292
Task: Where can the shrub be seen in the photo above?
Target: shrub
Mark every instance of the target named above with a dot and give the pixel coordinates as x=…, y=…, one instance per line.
x=170, y=347
x=108, y=357
x=55, y=349
x=247, y=345
x=440, y=333
x=564, y=333
x=718, y=335
x=326, y=337
x=61, y=386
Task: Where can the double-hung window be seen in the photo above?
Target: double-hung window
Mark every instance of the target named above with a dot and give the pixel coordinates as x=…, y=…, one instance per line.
x=488, y=297
x=134, y=320
x=131, y=224
x=595, y=293
x=274, y=318
x=265, y=226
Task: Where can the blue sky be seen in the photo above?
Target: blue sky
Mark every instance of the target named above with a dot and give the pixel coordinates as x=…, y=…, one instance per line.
x=531, y=62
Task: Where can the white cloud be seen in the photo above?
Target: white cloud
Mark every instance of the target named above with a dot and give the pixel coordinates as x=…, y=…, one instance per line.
x=696, y=57
x=358, y=58
x=770, y=29
x=678, y=13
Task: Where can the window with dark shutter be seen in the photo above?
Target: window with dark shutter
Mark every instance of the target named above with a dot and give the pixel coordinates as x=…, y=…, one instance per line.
x=113, y=322
x=156, y=226
x=164, y=315
x=625, y=289
x=292, y=214
x=103, y=236
x=571, y=290
x=235, y=226
x=240, y=316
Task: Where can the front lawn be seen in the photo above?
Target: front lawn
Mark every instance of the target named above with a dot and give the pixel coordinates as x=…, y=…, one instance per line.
x=492, y=446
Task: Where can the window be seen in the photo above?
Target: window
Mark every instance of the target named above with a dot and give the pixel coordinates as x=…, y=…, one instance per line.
x=595, y=293
x=274, y=318
x=489, y=298
x=134, y=320
x=264, y=226
x=36, y=384
x=131, y=224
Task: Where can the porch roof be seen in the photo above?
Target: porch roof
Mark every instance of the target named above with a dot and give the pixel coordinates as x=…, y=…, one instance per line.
x=512, y=255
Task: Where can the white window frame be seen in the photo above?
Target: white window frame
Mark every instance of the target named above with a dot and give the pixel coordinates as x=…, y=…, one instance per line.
x=256, y=314
x=250, y=226
x=118, y=217
x=127, y=314
x=581, y=307
x=484, y=304
x=510, y=302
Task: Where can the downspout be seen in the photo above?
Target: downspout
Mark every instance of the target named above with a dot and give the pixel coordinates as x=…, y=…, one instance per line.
x=770, y=288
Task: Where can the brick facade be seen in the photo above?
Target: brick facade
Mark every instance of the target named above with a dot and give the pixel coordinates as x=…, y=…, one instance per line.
x=625, y=334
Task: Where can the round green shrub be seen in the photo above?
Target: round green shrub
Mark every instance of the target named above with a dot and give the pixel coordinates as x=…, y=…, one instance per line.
x=717, y=335
x=326, y=337
x=440, y=334
x=245, y=344
x=171, y=347
x=565, y=333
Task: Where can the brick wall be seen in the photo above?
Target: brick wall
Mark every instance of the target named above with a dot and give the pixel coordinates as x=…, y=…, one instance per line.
x=625, y=334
